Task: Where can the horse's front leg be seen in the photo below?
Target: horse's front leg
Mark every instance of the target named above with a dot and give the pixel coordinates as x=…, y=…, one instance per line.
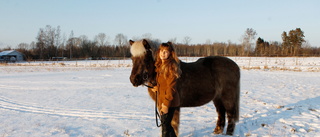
x=176, y=121
x=169, y=125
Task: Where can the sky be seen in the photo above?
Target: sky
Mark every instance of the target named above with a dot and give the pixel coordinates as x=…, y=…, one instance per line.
x=202, y=20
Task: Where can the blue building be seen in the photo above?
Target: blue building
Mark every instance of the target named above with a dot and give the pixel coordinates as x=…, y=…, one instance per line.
x=11, y=56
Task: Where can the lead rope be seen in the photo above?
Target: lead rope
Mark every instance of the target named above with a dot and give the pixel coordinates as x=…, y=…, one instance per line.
x=155, y=108
x=157, y=113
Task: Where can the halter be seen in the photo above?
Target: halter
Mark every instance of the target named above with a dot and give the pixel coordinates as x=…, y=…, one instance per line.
x=145, y=78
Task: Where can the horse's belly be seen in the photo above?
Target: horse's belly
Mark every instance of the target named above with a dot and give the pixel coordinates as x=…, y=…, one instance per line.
x=196, y=96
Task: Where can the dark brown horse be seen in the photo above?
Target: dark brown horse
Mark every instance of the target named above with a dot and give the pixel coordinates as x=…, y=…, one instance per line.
x=208, y=79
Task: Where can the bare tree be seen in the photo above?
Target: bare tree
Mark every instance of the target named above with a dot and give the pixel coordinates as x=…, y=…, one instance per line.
x=58, y=40
x=70, y=44
x=33, y=46
x=186, y=40
x=208, y=47
x=83, y=38
x=64, y=38
x=40, y=44
x=23, y=46
x=247, y=38
x=120, y=39
x=101, y=39
x=49, y=35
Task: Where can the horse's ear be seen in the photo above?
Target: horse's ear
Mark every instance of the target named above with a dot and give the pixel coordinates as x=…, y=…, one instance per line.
x=131, y=42
x=146, y=44
x=169, y=43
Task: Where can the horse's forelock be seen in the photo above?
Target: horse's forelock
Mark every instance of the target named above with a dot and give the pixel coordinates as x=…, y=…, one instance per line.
x=137, y=49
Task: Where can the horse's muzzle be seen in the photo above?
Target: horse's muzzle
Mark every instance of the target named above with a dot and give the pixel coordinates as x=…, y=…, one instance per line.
x=135, y=80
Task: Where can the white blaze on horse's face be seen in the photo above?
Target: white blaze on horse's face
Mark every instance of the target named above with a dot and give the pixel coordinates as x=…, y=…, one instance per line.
x=137, y=49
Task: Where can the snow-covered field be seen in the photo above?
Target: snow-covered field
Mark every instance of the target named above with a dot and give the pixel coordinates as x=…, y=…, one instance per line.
x=279, y=97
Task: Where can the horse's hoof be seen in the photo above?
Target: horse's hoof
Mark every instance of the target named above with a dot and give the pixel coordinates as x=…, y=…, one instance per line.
x=218, y=130
x=230, y=133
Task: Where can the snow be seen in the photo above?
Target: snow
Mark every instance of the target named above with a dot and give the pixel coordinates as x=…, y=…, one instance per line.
x=96, y=98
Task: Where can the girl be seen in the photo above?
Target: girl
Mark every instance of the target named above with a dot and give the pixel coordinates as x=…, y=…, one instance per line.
x=168, y=71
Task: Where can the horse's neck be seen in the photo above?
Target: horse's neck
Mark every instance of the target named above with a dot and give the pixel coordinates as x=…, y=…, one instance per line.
x=152, y=78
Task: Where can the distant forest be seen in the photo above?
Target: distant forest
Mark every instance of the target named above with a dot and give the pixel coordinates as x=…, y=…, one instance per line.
x=50, y=44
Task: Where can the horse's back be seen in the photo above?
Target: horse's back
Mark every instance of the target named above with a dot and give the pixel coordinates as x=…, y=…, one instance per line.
x=222, y=66
x=206, y=79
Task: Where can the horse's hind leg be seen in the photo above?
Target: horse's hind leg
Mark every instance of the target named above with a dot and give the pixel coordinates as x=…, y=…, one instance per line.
x=233, y=115
x=176, y=121
x=232, y=108
x=221, y=116
x=232, y=119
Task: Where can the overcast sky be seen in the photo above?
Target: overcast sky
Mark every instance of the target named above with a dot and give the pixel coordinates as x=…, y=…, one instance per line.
x=201, y=20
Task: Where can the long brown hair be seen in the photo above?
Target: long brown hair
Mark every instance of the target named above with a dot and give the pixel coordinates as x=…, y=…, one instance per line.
x=171, y=65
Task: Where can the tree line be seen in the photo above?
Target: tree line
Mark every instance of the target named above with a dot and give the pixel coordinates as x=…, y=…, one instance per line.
x=50, y=44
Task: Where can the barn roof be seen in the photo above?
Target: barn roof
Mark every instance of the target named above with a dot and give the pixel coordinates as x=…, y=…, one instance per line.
x=7, y=52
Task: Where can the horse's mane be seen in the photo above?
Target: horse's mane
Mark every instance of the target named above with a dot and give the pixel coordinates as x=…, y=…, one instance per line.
x=137, y=48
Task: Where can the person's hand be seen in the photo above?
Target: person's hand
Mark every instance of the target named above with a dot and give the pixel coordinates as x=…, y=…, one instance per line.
x=154, y=89
x=164, y=109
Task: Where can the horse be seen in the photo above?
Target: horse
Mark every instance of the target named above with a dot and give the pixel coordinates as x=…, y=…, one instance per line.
x=213, y=78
